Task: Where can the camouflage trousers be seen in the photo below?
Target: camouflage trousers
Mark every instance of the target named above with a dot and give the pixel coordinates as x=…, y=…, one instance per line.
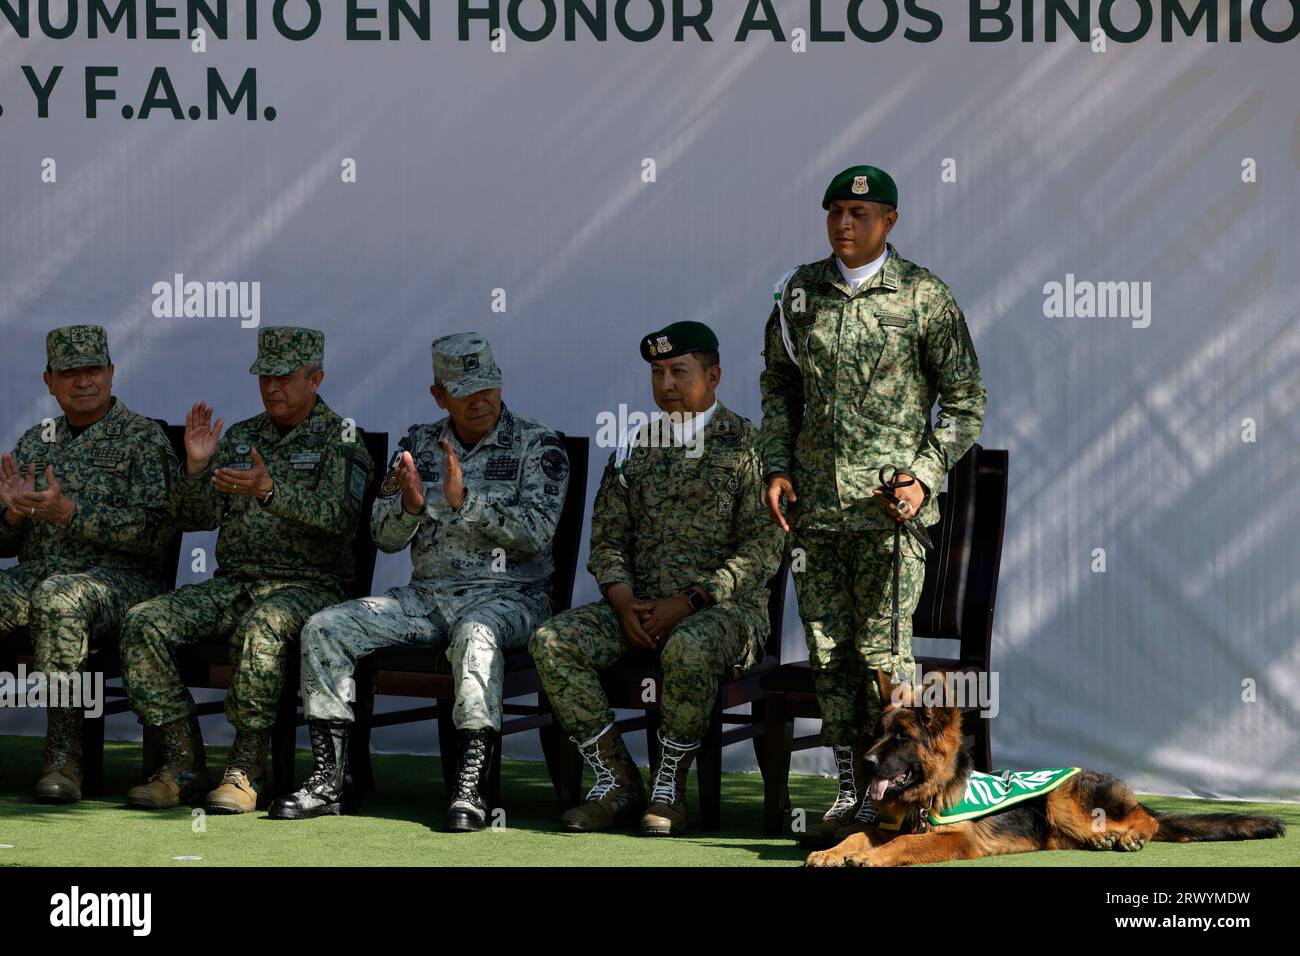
x=261, y=619
x=573, y=647
x=62, y=612
x=845, y=592
x=475, y=644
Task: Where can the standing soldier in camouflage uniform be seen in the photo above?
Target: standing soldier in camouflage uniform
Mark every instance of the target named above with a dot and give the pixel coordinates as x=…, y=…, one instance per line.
x=682, y=550
x=83, y=502
x=858, y=347
x=477, y=497
x=285, y=488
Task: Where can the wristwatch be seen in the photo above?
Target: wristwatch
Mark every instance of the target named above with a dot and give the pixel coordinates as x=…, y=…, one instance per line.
x=269, y=495
x=697, y=599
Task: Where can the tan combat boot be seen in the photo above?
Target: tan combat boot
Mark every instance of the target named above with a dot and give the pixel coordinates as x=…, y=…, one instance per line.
x=61, y=782
x=245, y=772
x=853, y=787
x=666, y=815
x=618, y=797
x=183, y=776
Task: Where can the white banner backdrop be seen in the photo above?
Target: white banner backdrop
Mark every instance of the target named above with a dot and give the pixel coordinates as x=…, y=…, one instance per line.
x=1165, y=439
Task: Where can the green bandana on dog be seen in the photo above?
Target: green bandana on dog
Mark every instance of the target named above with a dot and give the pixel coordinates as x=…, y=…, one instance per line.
x=989, y=792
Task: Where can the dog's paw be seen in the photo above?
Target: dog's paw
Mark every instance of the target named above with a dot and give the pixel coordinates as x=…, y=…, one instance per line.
x=1104, y=841
x=859, y=859
x=1132, y=842
x=823, y=858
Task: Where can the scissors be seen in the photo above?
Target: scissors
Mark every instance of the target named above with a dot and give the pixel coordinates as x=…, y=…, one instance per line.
x=914, y=527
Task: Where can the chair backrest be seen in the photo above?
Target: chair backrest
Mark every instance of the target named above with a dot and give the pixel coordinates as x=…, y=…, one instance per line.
x=940, y=612
x=172, y=553
x=776, y=587
x=986, y=559
x=961, y=572
x=568, y=532
x=363, y=567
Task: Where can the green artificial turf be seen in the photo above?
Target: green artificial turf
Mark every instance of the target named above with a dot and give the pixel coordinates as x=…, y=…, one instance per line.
x=400, y=826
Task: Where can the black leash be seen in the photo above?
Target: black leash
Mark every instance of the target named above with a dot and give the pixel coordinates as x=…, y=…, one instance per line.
x=913, y=527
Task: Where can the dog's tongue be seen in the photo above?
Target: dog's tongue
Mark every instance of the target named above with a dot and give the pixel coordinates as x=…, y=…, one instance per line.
x=878, y=787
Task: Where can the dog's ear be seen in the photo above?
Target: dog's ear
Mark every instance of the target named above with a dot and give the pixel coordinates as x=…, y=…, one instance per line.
x=894, y=695
x=935, y=720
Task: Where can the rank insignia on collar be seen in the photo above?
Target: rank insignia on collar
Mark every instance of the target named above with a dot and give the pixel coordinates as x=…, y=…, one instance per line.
x=113, y=431
x=318, y=426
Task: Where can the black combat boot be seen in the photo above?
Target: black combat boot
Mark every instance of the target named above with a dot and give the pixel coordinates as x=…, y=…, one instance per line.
x=469, y=807
x=328, y=791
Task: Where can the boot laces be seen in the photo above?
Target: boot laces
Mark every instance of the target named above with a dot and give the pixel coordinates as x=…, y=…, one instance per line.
x=471, y=767
x=665, y=785
x=236, y=776
x=867, y=813
x=848, y=794
x=324, y=773
x=605, y=781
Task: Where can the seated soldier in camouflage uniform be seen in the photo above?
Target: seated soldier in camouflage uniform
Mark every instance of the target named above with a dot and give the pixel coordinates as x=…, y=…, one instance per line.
x=285, y=487
x=477, y=497
x=84, y=503
x=682, y=550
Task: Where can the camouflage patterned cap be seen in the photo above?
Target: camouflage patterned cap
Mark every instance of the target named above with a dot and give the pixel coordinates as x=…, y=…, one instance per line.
x=76, y=345
x=463, y=364
x=863, y=183
x=282, y=350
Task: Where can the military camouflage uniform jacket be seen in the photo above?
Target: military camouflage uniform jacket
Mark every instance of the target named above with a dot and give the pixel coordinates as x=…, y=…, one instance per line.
x=500, y=541
x=307, y=531
x=849, y=383
x=119, y=471
x=670, y=520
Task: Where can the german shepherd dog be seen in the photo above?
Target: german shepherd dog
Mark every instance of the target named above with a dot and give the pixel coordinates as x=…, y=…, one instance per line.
x=917, y=763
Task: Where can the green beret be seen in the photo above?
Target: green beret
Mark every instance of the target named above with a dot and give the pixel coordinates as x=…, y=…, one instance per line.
x=863, y=183
x=76, y=346
x=282, y=350
x=678, y=339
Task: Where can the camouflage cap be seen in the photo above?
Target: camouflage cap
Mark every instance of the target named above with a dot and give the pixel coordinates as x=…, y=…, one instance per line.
x=463, y=364
x=863, y=183
x=76, y=345
x=282, y=350
x=678, y=339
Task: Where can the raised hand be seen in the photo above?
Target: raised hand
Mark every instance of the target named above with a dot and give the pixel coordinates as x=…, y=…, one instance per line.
x=201, y=438
x=412, y=484
x=13, y=486
x=453, y=483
